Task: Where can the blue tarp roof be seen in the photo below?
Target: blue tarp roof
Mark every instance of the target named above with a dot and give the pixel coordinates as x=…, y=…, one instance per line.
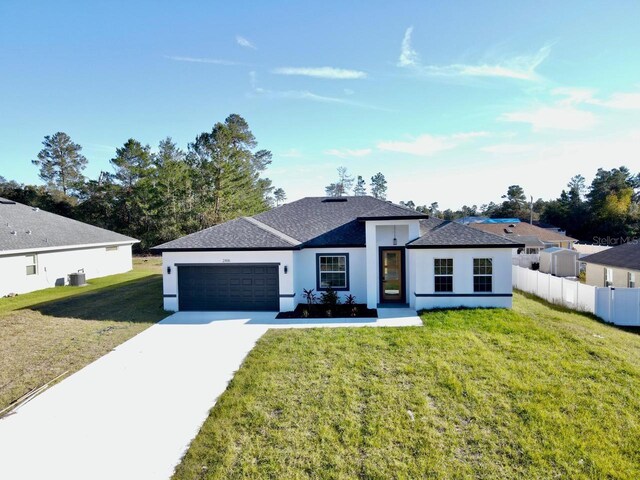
x=502, y=220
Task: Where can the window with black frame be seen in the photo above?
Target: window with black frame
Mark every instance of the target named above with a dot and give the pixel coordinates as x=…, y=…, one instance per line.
x=443, y=274
x=482, y=274
x=332, y=272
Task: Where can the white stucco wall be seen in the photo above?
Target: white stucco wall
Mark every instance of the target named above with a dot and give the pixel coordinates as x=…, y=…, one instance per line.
x=283, y=258
x=306, y=272
x=422, y=279
x=53, y=267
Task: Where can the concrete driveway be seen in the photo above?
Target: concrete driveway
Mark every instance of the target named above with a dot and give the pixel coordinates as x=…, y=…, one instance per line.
x=133, y=412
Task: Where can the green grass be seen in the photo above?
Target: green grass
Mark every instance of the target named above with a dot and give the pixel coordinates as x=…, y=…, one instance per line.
x=45, y=333
x=536, y=392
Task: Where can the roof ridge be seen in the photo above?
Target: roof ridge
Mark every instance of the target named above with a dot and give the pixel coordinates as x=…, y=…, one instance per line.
x=273, y=231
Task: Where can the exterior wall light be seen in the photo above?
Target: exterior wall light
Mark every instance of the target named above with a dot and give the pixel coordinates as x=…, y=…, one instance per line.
x=169, y=270
x=286, y=269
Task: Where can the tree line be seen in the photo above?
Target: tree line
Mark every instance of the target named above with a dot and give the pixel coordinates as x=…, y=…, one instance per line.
x=607, y=211
x=155, y=196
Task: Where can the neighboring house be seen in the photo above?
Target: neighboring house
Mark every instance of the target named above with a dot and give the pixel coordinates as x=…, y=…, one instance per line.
x=39, y=249
x=615, y=267
x=520, y=230
x=382, y=253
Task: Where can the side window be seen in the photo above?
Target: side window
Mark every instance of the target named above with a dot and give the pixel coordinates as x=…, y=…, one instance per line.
x=608, y=277
x=443, y=274
x=332, y=272
x=631, y=280
x=482, y=274
x=32, y=264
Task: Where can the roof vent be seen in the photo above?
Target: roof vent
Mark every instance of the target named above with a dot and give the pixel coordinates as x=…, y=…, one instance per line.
x=28, y=232
x=13, y=232
x=512, y=226
x=334, y=200
x=36, y=209
x=508, y=230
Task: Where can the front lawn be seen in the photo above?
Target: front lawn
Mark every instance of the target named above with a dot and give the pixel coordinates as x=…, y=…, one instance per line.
x=46, y=333
x=536, y=392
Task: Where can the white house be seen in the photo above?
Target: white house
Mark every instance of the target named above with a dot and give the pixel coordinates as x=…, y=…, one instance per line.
x=382, y=253
x=39, y=249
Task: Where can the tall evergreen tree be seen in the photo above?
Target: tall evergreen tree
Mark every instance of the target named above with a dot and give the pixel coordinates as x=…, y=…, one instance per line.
x=279, y=196
x=61, y=163
x=361, y=187
x=227, y=172
x=379, y=186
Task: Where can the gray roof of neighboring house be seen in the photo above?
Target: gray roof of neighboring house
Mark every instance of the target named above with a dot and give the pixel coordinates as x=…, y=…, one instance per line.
x=626, y=255
x=324, y=222
x=37, y=229
x=436, y=233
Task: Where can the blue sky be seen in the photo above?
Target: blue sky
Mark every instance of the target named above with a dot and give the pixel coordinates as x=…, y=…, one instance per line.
x=452, y=101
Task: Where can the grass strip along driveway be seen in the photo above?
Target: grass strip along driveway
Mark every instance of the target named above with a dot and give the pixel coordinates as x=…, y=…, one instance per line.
x=536, y=392
x=46, y=333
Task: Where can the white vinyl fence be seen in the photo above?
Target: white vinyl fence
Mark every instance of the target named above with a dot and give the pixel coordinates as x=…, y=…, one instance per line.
x=620, y=306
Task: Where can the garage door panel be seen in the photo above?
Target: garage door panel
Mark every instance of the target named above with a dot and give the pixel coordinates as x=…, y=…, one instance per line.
x=228, y=287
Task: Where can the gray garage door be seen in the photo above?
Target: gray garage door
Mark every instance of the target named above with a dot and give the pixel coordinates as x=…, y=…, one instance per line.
x=228, y=287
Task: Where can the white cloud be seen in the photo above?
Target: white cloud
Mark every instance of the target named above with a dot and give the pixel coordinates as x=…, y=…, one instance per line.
x=553, y=118
x=348, y=91
x=427, y=145
x=408, y=56
x=348, y=153
x=617, y=100
x=322, y=72
x=508, y=148
x=521, y=67
x=215, y=61
x=243, y=42
x=306, y=95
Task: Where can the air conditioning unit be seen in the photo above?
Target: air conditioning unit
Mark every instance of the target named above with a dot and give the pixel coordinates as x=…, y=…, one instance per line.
x=77, y=279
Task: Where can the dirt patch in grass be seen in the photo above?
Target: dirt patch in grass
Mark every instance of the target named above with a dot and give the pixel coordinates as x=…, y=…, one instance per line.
x=529, y=393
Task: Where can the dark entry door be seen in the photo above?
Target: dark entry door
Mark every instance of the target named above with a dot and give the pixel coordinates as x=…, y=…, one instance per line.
x=228, y=287
x=392, y=275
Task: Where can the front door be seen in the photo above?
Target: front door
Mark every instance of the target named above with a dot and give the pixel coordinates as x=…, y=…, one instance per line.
x=392, y=275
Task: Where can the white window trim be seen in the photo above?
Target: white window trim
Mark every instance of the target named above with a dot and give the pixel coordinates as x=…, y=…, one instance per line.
x=442, y=275
x=482, y=274
x=33, y=264
x=608, y=277
x=319, y=286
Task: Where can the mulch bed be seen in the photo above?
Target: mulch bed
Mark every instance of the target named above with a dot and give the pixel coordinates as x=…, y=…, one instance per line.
x=359, y=310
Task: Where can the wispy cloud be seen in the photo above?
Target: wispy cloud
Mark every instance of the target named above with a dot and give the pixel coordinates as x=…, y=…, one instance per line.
x=588, y=96
x=427, y=145
x=508, y=148
x=348, y=153
x=558, y=117
x=244, y=42
x=408, y=56
x=214, y=61
x=321, y=72
x=522, y=67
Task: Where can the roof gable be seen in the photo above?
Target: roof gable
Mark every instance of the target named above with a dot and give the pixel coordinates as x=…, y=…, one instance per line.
x=436, y=233
x=26, y=228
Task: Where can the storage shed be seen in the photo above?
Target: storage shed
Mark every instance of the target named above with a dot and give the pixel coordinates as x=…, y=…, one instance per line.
x=560, y=262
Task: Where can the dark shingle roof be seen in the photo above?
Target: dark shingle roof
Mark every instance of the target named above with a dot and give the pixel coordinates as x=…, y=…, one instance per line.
x=238, y=234
x=323, y=222
x=436, y=233
x=37, y=229
x=311, y=217
x=622, y=256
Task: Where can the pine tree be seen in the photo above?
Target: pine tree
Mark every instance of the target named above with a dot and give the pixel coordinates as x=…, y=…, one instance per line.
x=61, y=163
